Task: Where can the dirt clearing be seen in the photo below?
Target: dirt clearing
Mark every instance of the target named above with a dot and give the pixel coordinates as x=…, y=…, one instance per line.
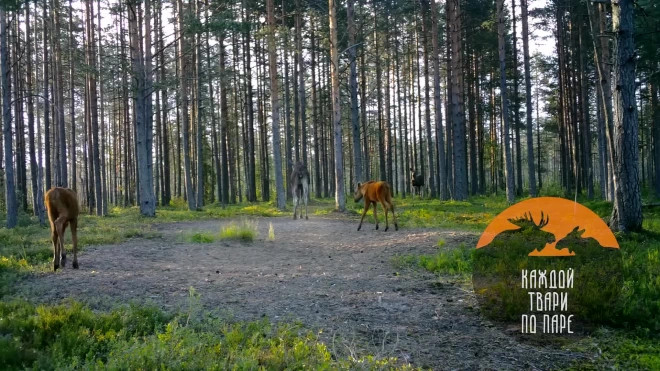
x=321, y=272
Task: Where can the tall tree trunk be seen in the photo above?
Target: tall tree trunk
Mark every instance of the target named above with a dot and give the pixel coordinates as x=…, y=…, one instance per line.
x=30, y=112
x=10, y=190
x=363, y=109
x=655, y=109
x=251, y=168
x=93, y=106
x=586, y=127
x=340, y=196
x=458, y=113
x=201, y=129
x=63, y=176
x=505, y=105
x=183, y=96
x=355, y=119
x=627, y=213
x=142, y=73
x=72, y=144
x=301, y=81
x=166, y=191
x=46, y=96
x=275, y=106
x=224, y=123
x=315, y=116
x=427, y=103
x=528, y=99
x=516, y=104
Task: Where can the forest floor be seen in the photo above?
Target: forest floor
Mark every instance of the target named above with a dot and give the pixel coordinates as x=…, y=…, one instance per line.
x=321, y=272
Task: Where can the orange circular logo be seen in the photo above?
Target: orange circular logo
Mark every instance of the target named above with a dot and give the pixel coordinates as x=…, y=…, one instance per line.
x=547, y=268
x=558, y=217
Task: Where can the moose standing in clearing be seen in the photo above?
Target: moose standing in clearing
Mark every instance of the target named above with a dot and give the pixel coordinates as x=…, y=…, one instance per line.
x=63, y=209
x=374, y=192
x=417, y=181
x=300, y=188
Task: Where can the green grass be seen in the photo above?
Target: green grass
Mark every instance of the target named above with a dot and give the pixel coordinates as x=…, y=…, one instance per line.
x=271, y=232
x=70, y=336
x=632, y=341
x=621, y=350
x=201, y=237
x=245, y=231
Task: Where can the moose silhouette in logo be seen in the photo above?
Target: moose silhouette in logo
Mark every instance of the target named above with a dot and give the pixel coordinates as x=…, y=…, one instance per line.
x=529, y=234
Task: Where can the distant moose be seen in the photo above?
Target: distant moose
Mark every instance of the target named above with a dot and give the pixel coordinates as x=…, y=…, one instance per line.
x=417, y=181
x=63, y=209
x=300, y=188
x=374, y=192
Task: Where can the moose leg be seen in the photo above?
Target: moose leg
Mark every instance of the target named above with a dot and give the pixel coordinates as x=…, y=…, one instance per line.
x=387, y=223
x=376, y=214
x=61, y=223
x=56, y=246
x=366, y=208
x=58, y=241
x=74, y=240
x=62, y=248
x=306, y=199
x=295, y=203
x=396, y=226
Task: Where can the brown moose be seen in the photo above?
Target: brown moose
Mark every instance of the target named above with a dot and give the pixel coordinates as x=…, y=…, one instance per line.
x=374, y=192
x=63, y=209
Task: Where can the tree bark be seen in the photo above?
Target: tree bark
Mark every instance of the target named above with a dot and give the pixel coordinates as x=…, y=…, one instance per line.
x=627, y=213
x=10, y=190
x=275, y=106
x=655, y=109
x=355, y=119
x=340, y=196
x=505, y=105
x=183, y=96
x=528, y=100
x=458, y=110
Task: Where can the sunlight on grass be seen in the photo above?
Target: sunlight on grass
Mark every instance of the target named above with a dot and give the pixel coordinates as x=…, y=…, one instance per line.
x=243, y=231
x=201, y=237
x=145, y=338
x=271, y=232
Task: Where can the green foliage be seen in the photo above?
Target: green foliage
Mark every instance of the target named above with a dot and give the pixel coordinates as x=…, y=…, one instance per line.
x=244, y=231
x=201, y=237
x=271, y=232
x=472, y=215
x=71, y=336
x=619, y=350
x=455, y=261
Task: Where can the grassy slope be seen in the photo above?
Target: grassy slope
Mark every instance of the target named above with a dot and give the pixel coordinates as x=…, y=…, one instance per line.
x=116, y=342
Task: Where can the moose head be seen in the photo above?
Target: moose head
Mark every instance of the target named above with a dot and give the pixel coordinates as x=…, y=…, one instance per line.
x=527, y=222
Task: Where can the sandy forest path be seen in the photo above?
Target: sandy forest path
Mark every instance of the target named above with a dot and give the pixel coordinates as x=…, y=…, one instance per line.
x=321, y=272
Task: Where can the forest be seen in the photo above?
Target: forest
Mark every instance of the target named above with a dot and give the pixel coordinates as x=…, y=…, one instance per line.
x=180, y=111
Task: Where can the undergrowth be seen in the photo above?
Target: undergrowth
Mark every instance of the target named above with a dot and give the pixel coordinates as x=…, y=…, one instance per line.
x=633, y=341
x=243, y=231
x=70, y=336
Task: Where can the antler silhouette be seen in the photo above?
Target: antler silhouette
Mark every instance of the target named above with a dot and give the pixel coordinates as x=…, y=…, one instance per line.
x=545, y=219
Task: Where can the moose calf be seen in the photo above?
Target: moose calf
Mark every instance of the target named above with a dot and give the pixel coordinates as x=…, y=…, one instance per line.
x=417, y=181
x=63, y=209
x=374, y=192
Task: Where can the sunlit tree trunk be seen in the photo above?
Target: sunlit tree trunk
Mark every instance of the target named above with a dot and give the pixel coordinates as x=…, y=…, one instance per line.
x=10, y=190
x=340, y=196
x=528, y=99
x=505, y=105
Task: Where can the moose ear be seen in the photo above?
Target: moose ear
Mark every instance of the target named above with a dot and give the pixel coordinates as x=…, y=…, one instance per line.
x=359, y=184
